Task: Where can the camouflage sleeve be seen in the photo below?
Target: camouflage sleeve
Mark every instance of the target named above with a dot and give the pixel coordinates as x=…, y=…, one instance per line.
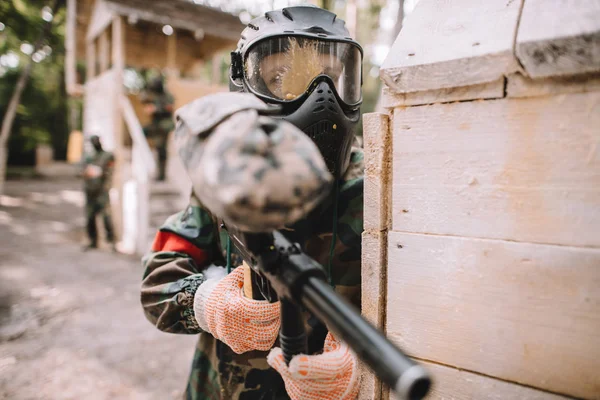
x=347, y=257
x=183, y=247
x=109, y=166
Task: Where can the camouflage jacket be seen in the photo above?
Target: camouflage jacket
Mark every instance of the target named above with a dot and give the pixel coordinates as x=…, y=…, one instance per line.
x=96, y=184
x=192, y=240
x=162, y=117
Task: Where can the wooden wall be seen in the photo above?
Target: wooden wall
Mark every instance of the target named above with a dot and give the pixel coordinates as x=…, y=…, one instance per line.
x=147, y=47
x=483, y=231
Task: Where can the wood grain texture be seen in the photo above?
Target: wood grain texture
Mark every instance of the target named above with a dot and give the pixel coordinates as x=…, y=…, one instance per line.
x=373, y=299
x=490, y=90
x=378, y=150
x=445, y=46
x=148, y=48
x=454, y=384
x=522, y=312
x=559, y=37
x=517, y=169
x=522, y=86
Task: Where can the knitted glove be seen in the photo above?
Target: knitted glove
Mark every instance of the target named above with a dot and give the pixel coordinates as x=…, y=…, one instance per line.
x=332, y=375
x=242, y=324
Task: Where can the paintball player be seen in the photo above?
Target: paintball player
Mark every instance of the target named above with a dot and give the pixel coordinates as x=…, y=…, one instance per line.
x=97, y=173
x=158, y=103
x=302, y=60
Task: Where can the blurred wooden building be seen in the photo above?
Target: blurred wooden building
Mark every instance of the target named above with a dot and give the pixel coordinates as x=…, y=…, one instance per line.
x=108, y=36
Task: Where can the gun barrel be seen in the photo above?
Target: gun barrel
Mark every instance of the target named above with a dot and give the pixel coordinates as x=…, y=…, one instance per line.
x=405, y=377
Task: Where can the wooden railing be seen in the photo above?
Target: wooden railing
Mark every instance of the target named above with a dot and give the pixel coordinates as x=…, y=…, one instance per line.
x=136, y=191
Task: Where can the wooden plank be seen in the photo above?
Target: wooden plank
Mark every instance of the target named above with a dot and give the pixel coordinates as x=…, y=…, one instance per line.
x=98, y=111
x=445, y=46
x=118, y=131
x=172, y=51
x=147, y=49
x=517, y=169
x=378, y=148
x=373, y=298
x=490, y=90
x=521, y=86
x=104, y=51
x=455, y=384
x=118, y=44
x=559, y=37
x=101, y=18
x=147, y=165
x=523, y=312
x=90, y=61
x=181, y=15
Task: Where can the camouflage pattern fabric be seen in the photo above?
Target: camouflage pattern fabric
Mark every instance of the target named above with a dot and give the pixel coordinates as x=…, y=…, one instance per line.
x=162, y=117
x=160, y=127
x=192, y=240
x=255, y=172
x=98, y=169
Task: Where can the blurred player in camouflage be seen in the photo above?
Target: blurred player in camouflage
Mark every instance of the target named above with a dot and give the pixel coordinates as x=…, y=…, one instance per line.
x=158, y=103
x=97, y=174
x=302, y=68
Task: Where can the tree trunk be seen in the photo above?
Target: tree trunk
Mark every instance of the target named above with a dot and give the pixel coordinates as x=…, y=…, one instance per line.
x=15, y=99
x=9, y=118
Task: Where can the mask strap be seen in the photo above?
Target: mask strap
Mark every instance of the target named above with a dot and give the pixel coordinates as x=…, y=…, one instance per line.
x=228, y=253
x=334, y=233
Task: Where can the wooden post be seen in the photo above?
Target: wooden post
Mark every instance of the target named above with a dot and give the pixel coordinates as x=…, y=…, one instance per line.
x=172, y=52
x=118, y=61
x=377, y=220
x=118, y=44
x=103, y=51
x=90, y=60
x=71, y=47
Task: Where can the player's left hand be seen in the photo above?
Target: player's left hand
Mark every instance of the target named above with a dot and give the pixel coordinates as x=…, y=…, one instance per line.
x=330, y=375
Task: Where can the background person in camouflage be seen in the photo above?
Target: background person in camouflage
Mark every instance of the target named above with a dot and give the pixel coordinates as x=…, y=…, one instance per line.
x=97, y=174
x=191, y=247
x=158, y=103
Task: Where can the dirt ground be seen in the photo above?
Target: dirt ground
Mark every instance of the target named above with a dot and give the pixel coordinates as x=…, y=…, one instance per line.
x=71, y=325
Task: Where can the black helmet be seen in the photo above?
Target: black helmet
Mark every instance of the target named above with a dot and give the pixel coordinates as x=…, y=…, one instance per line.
x=304, y=60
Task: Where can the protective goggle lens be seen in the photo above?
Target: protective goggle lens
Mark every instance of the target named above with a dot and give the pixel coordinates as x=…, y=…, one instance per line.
x=282, y=68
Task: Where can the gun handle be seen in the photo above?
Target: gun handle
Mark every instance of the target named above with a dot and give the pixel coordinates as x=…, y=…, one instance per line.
x=248, y=292
x=292, y=335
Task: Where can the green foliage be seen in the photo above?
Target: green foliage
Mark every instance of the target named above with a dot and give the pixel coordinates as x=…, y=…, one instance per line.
x=42, y=113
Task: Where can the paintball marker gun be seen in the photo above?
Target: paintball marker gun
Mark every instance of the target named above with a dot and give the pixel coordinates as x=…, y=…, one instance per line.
x=258, y=174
